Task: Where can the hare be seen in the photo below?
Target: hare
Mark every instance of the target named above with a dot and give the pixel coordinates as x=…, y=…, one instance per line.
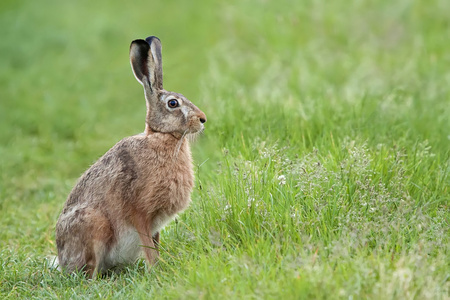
x=119, y=205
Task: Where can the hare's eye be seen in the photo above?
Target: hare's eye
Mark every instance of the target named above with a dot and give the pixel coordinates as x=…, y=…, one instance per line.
x=172, y=103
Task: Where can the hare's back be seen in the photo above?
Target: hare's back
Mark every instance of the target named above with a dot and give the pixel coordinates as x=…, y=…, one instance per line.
x=113, y=176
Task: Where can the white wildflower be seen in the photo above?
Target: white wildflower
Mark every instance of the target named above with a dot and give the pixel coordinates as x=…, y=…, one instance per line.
x=281, y=180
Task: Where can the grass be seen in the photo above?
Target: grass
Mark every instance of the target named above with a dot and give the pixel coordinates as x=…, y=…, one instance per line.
x=323, y=171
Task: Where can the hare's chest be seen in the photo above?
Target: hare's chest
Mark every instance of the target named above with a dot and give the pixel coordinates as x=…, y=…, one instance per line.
x=177, y=188
x=177, y=178
x=172, y=198
x=167, y=189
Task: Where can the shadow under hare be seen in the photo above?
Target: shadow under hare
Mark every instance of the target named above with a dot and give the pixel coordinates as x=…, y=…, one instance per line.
x=119, y=205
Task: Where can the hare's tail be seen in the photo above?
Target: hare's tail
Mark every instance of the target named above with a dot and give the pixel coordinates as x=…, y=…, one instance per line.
x=52, y=262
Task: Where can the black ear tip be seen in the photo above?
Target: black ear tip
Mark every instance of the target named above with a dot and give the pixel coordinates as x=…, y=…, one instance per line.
x=139, y=42
x=150, y=39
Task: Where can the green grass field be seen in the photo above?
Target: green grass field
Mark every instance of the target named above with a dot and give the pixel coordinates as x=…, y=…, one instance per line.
x=323, y=172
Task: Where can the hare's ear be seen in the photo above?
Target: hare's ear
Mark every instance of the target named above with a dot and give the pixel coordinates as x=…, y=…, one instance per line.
x=146, y=62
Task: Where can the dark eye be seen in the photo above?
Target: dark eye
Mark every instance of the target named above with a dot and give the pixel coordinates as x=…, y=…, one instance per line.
x=172, y=103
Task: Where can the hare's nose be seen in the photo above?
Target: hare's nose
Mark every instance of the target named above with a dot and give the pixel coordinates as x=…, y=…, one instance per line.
x=202, y=117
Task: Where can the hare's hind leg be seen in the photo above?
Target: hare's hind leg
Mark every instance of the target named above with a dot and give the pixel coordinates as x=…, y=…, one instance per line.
x=81, y=255
x=83, y=236
x=94, y=259
x=102, y=236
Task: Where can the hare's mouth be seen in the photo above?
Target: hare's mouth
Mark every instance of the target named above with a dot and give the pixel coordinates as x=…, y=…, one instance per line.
x=196, y=129
x=194, y=126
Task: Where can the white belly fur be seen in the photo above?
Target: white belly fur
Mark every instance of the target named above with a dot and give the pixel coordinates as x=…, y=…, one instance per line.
x=129, y=245
x=160, y=221
x=127, y=249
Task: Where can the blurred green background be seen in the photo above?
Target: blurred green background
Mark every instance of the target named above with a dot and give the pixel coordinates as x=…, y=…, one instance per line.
x=303, y=76
x=66, y=81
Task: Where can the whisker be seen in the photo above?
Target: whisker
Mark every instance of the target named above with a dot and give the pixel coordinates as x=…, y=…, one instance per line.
x=192, y=137
x=180, y=142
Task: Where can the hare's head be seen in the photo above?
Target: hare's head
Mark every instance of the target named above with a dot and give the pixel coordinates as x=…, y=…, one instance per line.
x=167, y=112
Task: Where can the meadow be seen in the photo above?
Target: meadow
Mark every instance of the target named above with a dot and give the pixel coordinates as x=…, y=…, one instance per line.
x=323, y=172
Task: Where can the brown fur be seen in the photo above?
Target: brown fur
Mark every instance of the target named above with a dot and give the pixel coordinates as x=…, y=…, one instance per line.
x=122, y=201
